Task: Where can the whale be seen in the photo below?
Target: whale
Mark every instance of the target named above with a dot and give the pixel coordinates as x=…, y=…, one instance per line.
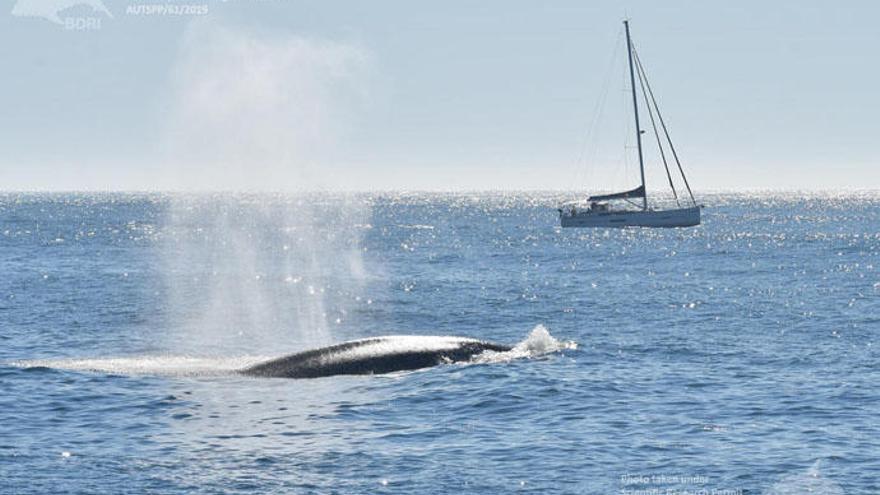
x=370, y=356
x=373, y=356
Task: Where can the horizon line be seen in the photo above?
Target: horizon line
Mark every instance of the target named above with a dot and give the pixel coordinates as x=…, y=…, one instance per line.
x=417, y=190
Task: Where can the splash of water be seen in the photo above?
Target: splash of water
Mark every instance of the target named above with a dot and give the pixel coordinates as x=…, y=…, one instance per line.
x=538, y=343
x=810, y=481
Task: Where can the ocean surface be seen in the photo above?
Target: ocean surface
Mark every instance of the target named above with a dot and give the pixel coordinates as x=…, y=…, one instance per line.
x=737, y=357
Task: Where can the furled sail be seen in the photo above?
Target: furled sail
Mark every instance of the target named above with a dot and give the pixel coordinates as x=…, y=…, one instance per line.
x=638, y=192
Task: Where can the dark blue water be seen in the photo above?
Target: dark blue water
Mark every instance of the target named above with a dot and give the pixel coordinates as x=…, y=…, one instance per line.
x=737, y=357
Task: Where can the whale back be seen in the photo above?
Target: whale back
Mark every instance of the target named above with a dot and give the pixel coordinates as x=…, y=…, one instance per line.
x=374, y=356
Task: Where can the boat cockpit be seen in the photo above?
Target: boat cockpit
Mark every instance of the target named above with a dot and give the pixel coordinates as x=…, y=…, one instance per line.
x=574, y=208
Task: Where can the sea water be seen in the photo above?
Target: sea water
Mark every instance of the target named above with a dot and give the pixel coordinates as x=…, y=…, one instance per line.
x=740, y=356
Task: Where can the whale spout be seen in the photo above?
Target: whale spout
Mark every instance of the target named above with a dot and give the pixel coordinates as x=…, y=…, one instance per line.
x=374, y=356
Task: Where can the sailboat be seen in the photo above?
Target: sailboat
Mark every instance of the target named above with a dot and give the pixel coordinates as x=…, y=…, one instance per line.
x=610, y=210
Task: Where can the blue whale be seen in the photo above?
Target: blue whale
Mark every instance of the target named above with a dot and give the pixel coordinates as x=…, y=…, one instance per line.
x=373, y=356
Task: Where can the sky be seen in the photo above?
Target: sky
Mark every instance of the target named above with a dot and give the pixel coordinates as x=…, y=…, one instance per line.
x=453, y=95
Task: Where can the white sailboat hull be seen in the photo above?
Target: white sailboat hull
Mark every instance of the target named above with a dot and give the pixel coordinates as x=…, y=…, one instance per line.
x=682, y=217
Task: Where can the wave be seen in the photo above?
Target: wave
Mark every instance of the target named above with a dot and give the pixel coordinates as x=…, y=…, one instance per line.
x=416, y=226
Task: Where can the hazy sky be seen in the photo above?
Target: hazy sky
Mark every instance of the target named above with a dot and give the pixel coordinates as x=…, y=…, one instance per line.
x=451, y=95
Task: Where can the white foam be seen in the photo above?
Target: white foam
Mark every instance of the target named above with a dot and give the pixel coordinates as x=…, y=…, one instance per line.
x=539, y=342
x=150, y=365
x=810, y=481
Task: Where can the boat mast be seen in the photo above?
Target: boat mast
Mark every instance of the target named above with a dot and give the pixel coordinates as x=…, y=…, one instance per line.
x=632, y=81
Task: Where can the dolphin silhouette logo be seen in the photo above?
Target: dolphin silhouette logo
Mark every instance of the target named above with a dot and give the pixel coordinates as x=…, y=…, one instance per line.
x=49, y=9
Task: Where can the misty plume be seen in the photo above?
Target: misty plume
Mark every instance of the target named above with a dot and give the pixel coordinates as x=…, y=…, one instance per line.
x=255, y=258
